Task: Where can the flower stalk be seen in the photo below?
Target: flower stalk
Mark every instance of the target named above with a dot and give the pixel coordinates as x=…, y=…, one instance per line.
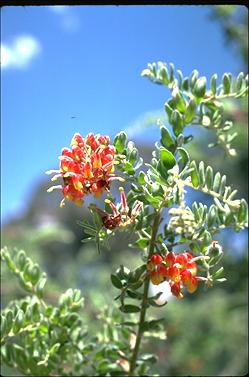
x=139, y=336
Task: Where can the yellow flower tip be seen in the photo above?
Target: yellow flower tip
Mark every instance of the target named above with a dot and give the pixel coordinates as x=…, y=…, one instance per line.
x=178, y=265
x=97, y=194
x=120, y=179
x=79, y=202
x=60, y=157
x=107, y=201
x=121, y=189
x=50, y=189
x=49, y=172
x=55, y=177
x=78, y=185
x=115, y=162
x=62, y=203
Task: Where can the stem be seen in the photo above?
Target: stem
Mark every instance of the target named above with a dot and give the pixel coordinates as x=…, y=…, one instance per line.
x=145, y=297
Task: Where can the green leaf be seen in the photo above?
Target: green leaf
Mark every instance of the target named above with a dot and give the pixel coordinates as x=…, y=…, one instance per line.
x=171, y=72
x=221, y=280
x=218, y=272
x=185, y=84
x=119, y=142
x=176, y=120
x=35, y=274
x=184, y=157
x=149, y=357
x=132, y=155
x=193, y=77
x=209, y=177
x=27, y=271
x=216, y=182
x=213, y=84
x=116, y=282
x=123, y=272
x=194, y=174
x=196, y=211
x=40, y=286
x=222, y=185
x=219, y=205
x=9, y=320
x=167, y=162
x=9, y=262
x=168, y=109
x=155, y=324
x=142, y=178
x=18, y=321
x=137, y=273
x=199, y=89
x=141, y=243
x=239, y=81
x=212, y=215
x=202, y=173
x=135, y=295
x=243, y=211
x=21, y=259
x=190, y=111
x=129, y=309
x=178, y=99
x=226, y=82
x=128, y=168
x=164, y=75
x=167, y=140
x=3, y=326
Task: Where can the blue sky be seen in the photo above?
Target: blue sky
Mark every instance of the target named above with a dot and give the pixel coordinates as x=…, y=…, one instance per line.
x=85, y=61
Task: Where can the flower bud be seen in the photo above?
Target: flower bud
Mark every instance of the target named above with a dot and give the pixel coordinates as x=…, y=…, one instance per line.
x=214, y=250
x=156, y=259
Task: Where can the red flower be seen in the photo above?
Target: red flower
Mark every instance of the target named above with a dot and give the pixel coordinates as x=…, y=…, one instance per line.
x=179, y=270
x=176, y=289
x=156, y=259
x=87, y=167
x=169, y=259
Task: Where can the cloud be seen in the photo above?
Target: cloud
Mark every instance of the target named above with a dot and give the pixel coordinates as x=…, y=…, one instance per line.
x=69, y=21
x=20, y=53
x=58, y=8
x=144, y=121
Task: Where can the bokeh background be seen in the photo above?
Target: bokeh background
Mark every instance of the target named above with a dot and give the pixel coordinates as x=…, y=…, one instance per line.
x=69, y=69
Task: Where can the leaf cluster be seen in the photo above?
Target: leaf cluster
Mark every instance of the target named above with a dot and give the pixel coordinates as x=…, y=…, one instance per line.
x=195, y=102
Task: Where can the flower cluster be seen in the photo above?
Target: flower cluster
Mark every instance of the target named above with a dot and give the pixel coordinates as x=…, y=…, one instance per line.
x=179, y=270
x=120, y=213
x=87, y=167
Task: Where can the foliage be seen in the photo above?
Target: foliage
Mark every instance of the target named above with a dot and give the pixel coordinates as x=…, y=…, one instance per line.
x=39, y=339
x=42, y=339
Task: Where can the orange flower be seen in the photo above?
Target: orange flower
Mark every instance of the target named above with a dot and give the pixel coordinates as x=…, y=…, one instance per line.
x=179, y=270
x=87, y=167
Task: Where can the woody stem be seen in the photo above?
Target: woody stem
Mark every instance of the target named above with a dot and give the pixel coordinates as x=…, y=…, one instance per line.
x=145, y=298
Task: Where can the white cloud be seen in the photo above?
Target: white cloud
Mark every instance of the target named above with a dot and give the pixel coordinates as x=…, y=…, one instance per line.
x=58, y=8
x=69, y=20
x=20, y=53
x=144, y=121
